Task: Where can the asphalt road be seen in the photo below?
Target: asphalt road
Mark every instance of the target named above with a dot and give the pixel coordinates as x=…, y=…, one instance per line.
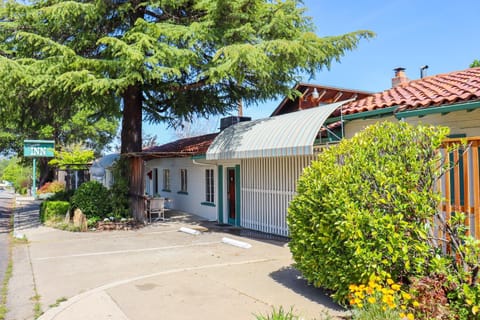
x=6, y=199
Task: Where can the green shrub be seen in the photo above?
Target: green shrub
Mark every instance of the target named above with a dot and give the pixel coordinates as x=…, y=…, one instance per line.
x=92, y=221
x=119, y=190
x=457, y=278
x=62, y=195
x=93, y=199
x=362, y=208
x=53, y=209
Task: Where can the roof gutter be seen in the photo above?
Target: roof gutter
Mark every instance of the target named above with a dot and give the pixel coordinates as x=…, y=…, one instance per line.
x=363, y=115
x=469, y=106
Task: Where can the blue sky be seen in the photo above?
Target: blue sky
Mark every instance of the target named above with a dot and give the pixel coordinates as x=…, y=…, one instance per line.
x=442, y=34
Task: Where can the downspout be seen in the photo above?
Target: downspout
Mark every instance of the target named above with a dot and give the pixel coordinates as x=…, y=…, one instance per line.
x=342, y=129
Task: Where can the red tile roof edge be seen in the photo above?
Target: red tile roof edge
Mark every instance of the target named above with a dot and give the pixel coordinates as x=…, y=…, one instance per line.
x=436, y=90
x=183, y=147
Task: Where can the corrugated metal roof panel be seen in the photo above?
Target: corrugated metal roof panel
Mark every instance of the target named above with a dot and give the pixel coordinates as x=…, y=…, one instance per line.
x=284, y=135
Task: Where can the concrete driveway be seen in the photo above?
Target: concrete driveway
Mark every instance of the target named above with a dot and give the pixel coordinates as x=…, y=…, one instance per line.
x=159, y=272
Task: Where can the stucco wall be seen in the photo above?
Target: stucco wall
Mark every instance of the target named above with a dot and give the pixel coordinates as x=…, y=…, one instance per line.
x=459, y=122
x=192, y=201
x=354, y=126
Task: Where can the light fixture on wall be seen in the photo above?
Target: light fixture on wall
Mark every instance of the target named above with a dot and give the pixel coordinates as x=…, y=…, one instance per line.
x=309, y=95
x=314, y=95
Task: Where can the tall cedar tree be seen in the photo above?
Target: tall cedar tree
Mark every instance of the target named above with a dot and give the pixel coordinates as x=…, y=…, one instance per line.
x=168, y=60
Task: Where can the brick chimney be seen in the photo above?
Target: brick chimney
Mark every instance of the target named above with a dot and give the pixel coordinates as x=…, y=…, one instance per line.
x=400, y=77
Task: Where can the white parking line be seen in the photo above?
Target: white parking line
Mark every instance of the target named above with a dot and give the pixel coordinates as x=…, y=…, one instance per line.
x=127, y=251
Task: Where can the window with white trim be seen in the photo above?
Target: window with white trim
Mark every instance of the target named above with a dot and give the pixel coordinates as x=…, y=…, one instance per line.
x=209, y=186
x=183, y=180
x=166, y=179
x=155, y=181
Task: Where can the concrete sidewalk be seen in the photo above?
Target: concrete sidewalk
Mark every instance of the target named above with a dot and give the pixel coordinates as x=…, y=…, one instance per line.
x=158, y=272
x=21, y=293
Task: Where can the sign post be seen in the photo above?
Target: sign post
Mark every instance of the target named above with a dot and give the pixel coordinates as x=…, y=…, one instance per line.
x=36, y=149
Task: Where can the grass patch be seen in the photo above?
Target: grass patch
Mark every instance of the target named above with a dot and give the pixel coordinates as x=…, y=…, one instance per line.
x=59, y=223
x=279, y=314
x=37, y=308
x=23, y=240
x=282, y=314
x=57, y=303
x=4, y=293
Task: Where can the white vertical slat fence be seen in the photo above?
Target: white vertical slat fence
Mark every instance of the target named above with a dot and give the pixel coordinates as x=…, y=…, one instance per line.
x=267, y=187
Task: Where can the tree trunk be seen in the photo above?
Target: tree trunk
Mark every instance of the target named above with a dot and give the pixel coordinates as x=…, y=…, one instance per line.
x=132, y=120
x=132, y=142
x=46, y=172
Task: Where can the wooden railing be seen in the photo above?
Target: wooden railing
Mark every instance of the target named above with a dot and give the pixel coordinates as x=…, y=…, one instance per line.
x=460, y=186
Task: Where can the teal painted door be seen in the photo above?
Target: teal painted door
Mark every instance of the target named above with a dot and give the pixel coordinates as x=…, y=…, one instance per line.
x=231, y=196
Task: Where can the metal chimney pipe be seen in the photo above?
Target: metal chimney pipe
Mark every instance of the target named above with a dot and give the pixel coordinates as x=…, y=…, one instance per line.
x=423, y=71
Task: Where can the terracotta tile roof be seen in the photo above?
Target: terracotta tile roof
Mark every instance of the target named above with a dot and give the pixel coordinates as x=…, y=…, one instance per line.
x=183, y=147
x=441, y=89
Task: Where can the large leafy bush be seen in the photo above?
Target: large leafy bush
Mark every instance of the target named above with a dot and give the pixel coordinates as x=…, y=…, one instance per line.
x=119, y=190
x=53, y=209
x=93, y=199
x=363, y=208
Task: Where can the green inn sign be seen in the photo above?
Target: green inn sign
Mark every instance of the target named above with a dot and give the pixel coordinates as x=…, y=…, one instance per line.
x=37, y=149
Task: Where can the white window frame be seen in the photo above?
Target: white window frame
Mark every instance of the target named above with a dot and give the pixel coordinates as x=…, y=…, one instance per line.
x=155, y=181
x=209, y=185
x=166, y=179
x=183, y=180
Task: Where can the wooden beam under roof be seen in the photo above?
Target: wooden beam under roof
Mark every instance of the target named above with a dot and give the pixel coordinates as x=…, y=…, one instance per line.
x=327, y=95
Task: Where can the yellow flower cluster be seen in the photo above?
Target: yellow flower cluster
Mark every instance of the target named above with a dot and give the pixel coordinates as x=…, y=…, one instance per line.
x=386, y=294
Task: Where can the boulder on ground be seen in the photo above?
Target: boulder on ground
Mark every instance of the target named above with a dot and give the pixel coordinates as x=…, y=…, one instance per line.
x=79, y=220
x=67, y=216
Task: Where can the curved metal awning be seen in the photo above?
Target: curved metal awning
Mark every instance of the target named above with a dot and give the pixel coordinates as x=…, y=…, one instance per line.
x=284, y=135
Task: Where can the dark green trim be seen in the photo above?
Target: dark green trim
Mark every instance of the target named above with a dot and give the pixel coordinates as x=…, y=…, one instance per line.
x=363, y=115
x=237, y=195
x=182, y=192
x=456, y=135
x=220, y=193
x=208, y=204
x=199, y=157
x=166, y=190
x=443, y=109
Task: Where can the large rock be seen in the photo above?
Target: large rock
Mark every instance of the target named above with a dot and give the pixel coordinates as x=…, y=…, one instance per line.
x=67, y=217
x=79, y=220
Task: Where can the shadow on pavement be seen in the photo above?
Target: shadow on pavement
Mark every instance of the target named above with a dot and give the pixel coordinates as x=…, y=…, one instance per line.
x=5, y=213
x=292, y=279
x=214, y=226
x=246, y=233
x=27, y=216
x=4, y=221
